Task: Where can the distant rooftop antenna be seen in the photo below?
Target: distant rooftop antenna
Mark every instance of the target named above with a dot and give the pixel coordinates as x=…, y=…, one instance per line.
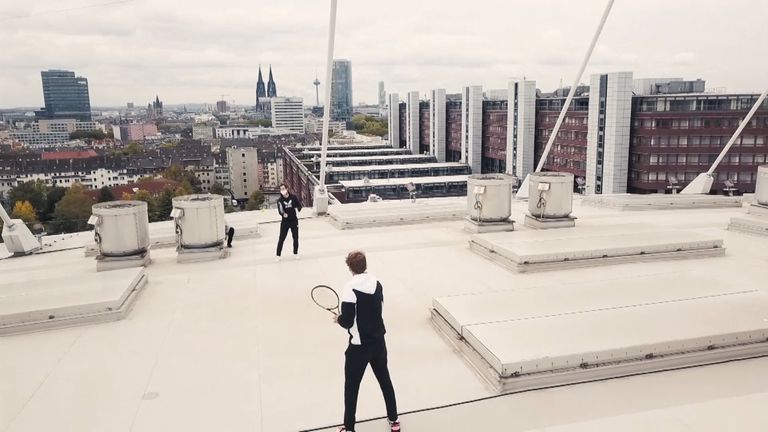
x=522, y=193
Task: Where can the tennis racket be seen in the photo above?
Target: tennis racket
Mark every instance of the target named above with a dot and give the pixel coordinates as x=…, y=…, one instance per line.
x=325, y=297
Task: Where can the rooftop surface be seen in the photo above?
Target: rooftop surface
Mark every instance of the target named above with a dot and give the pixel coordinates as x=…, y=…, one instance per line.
x=238, y=345
x=395, y=167
x=404, y=180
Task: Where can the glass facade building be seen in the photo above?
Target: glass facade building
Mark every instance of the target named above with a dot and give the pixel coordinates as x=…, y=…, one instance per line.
x=66, y=96
x=341, y=91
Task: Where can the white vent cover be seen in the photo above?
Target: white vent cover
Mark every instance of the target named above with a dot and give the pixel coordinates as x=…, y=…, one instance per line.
x=550, y=195
x=199, y=220
x=121, y=228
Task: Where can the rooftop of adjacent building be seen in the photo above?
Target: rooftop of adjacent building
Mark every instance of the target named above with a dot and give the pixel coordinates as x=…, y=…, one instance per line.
x=238, y=345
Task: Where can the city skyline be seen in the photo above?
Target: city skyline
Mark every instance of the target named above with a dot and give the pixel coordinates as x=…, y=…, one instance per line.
x=188, y=62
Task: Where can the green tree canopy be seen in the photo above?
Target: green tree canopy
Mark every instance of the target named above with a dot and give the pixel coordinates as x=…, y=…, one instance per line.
x=165, y=203
x=368, y=125
x=73, y=211
x=218, y=189
x=189, y=181
x=32, y=191
x=255, y=201
x=95, y=134
x=105, y=195
x=53, y=195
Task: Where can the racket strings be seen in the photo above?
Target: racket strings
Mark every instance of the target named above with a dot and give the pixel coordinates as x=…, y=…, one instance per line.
x=325, y=297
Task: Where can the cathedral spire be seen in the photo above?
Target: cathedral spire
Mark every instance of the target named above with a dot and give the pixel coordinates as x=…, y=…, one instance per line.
x=271, y=87
x=260, y=88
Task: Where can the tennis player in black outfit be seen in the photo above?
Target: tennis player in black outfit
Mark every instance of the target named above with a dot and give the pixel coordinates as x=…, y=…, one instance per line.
x=288, y=205
x=361, y=306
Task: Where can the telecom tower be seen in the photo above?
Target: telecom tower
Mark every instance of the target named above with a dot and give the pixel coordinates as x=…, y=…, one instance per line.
x=317, y=89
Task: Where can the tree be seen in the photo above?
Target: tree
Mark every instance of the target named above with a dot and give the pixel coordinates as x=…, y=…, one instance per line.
x=105, y=195
x=132, y=149
x=31, y=191
x=165, y=203
x=73, y=211
x=255, y=201
x=126, y=196
x=260, y=123
x=95, y=134
x=189, y=181
x=23, y=210
x=152, y=211
x=52, y=197
x=218, y=189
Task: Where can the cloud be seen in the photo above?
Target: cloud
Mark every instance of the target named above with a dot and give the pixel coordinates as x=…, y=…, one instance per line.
x=196, y=50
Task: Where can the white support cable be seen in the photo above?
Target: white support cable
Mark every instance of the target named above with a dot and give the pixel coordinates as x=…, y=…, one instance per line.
x=736, y=135
x=6, y=218
x=576, y=81
x=522, y=192
x=702, y=184
x=327, y=96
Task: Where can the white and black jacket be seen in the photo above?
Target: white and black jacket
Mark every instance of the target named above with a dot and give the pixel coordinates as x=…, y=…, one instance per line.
x=361, y=304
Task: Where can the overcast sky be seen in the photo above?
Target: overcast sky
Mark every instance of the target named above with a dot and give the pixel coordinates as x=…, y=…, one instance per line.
x=197, y=50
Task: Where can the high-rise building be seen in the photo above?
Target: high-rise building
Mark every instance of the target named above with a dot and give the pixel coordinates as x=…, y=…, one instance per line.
x=412, y=122
x=394, y=120
x=244, y=177
x=288, y=114
x=341, y=91
x=437, y=125
x=382, y=95
x=521, y=127
x=65, y=95
x=221, y=106
x=610, y=117
x=472, y=127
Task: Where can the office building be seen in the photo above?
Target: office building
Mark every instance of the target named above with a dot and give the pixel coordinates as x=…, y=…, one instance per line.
x=50, y=133
x=221, y=106
x=66, y=96
x=288, y=114
x=613, y=140
x=393, y=116
x=244, y=176
x=135, y=132
x=472, y=127
x=382, y=95
x=341, y=91
x=610, y=114
x=413, y=122
x=437, y=125
x=676, y=137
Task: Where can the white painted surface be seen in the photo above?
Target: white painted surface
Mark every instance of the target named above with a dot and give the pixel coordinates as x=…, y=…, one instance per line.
x=237, y=345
